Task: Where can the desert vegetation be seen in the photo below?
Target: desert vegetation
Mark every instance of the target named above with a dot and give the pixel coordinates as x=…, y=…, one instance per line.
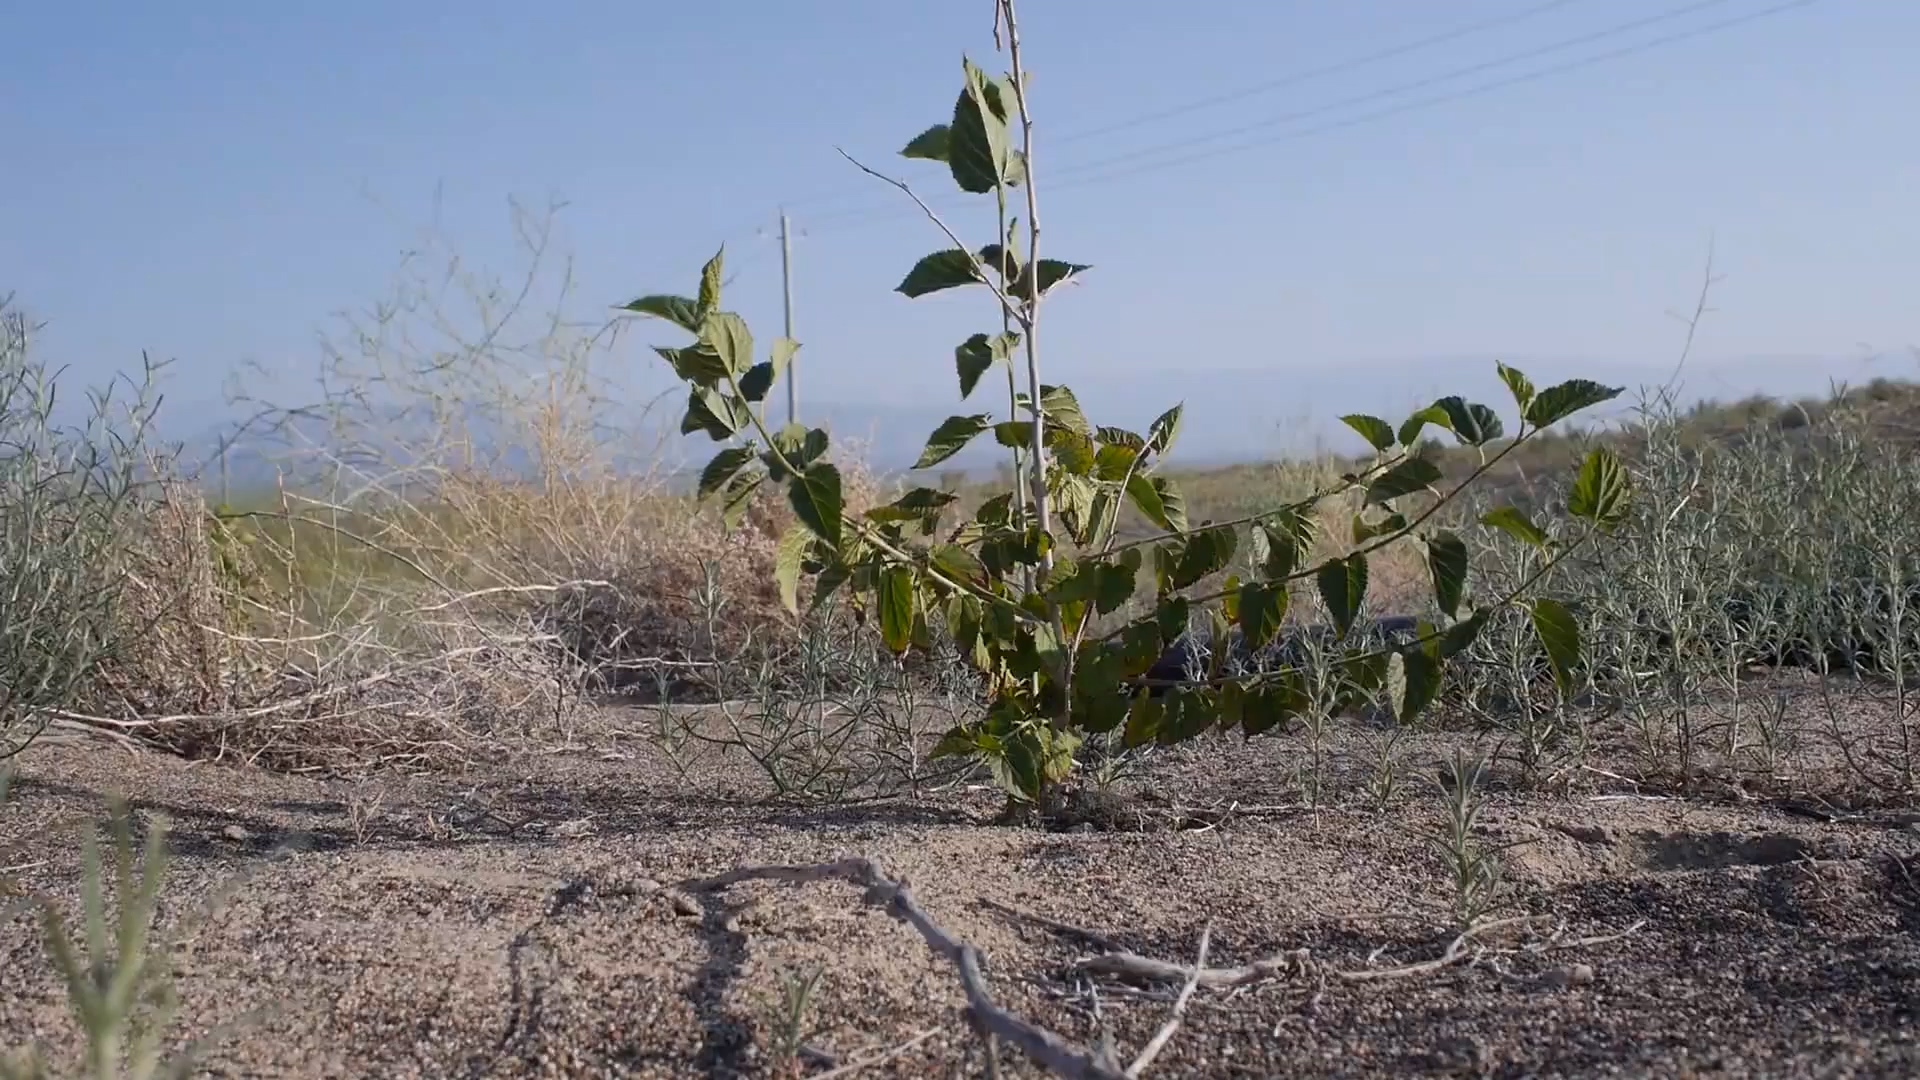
x=1492, y=663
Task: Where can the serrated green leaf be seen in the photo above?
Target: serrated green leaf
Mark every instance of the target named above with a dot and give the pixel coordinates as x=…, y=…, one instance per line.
x=1459, y=637
x=1343, y=588
x=1560, y=635
x=784, y=350
x=1278, y=540
x=1002, y=260
x=951, y=437
x=1377, y=432
x=959, y=564
x=980, y=151
x=947, y=269
x=972, y=359
x=799, y=445
x=1511, y=521
x=815, y=495
x=1143, y=721
x=915, y=505
x=1121, y=437
x=1474, y=423
x=795, y=544
x=1411, y=428
x=1164, y=430
x=1013, y=433
x=721, y=469
x=678, y=310
x=713, y=412
x=1278, y=698
x=727, y=335
x=1062, y=408
x=1447, y=562
x=696, y=363
x=1052, y=273
x=1518, y=385
x=929, y=145
x=1601, y=492
x=896, y=598
x=1413, y=681
x=1365, y=530
x=1556, y=403
x=711, y=275
x=739, y=496
x=1413, y=474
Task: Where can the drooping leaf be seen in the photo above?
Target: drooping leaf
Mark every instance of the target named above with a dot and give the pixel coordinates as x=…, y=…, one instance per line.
x=959, y=564
x=713, y=412
x=1474, y=423
x=1601, y=491
x=722, y=467
x=916, y=505
x=1556, y=403
x=678, y=310
x=784, y=349
x=1447, y=562
x=1414, y=679
x=1365, y=529
x=1517, y=384
x=947, y=269
x=1002, y=260
x=1262, y=611
x=1143, y=721
x=1013, y=433
x=929, y=145
x=738, y=497
x=1278, y=698
x=972, y=359
x=1511, y=521
x=1343, y=588
x=1377, y=432
x=1199, y=554
x=1278, y=540
x=815, y=495
x=795, y=543
x=798, y=446
x=696, y=363
x=896, y=607
x=1411, y=475
x=1560, y=636
x=951, y=437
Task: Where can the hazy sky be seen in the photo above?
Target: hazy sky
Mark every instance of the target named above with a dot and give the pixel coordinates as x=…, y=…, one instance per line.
x=209, y=181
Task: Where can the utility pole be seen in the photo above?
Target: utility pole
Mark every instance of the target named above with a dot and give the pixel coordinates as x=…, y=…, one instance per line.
x=786, y=288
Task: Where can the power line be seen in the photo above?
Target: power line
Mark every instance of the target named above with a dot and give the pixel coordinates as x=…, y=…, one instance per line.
x=877, y=213
x=1282, y=82
x=1314, y=73
x=1417, y=84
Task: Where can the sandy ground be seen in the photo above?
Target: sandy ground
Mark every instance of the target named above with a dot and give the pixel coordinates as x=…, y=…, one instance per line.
x=523, y=923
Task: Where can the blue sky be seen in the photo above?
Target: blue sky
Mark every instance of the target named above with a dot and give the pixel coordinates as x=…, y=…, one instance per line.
x=211, y=181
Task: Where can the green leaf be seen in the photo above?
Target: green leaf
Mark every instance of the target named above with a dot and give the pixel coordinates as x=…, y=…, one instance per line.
x=1556, y=403
x=1278, y=540
x=1143, y=721
x=1365, y=530
x=1601, y=491
x=710, y=278
x=1164, y=430
x=757, y=381
x=958, y=564
x=1062, y=408
x=795, y=544
x=1411, y=428
x=1013, y=433
x=1377, y=432
x=1414, y=680
x=1474, y=423
x=727, y=335
x=1511, y=521
x=1343, y=587
x=1518, y=384
x=784, y=349
x=896, y=607
x=947, y=269
x=1458, y=638
x=696, y=363
x=951, y=437
x=815, y=495
x=979, y=142
x=799, y=445
x=1447, y=561
x=1002, y=260
x=1052, y=272
x=721, y=469
x=1278, y=698
x=1262, y=611
x=1157, y=498
x=1560, y=635
x=1199, y=554
x=715, y=413
x=918, y=504
x=977, y=355
x=739, y=496
x=677, y=310
x=1413, y=474
x=929, y=145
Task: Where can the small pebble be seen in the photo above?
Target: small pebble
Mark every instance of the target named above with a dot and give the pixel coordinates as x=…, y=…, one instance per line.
x=684, y=906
